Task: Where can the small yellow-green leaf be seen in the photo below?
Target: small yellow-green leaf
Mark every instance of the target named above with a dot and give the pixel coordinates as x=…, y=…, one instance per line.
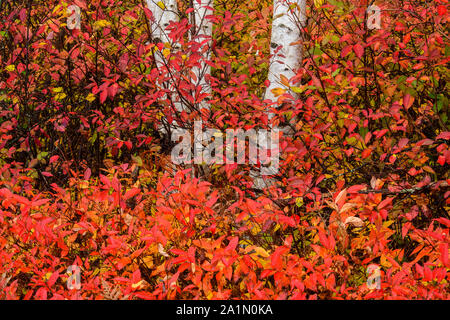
x=161, y=5
x=297, y=89
x=90, y=97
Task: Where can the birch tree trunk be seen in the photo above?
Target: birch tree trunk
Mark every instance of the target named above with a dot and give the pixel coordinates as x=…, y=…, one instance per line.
x=203, y=9
x=164, y=12
x=285, y=46
x=286, y=56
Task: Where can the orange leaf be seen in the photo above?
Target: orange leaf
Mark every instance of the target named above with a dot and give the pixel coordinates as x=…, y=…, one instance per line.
x=284, y=80
x=366, y=153
x=278, y=91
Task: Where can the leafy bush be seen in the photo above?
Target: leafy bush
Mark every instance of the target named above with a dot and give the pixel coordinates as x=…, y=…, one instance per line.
x=87, y=178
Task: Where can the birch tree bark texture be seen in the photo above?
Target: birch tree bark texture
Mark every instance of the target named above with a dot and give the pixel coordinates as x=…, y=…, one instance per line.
x=285, y=47
x=286, y=57
x=285, y=44
x=203, y=10
x=165, y=11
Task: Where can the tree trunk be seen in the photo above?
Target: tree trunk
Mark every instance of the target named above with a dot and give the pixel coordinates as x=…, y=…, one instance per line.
x=285, y=49
x=285, y=44
x=286, y=56
x=203, y=9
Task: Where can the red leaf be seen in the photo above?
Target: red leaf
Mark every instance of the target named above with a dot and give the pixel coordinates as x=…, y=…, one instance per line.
x=345, y=51
x=75, y=53
x=232, y=245
x=340, y=198
x=385, y=202
x=442, y=10
x=131, y=193
x=405, y=229
x=407, y=100
x=54, y=27
x=128, y=144
x=443, y=247
x=53, y=159
x=424, y=142
x=359, y=50
x=112, y=90
x=444, y=221
x=428, y=274
x=105, y=181
x=366, y=153
x=87, y=174
x=403, y=142
x=276, y=257
x=103, y=95
x=356, y=188
x=41, y=294
x=323, y=239
x=80, y=3
x=331, y=242
x=53, y=278
x=444, y=135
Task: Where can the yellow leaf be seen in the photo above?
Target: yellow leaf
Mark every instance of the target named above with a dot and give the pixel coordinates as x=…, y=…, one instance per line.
x=138, y=160
x=83, y=184
x=159, y=115
x=11, y=67
x=166, y=52
x=255, y=230
x=318, y=3
x=387, y=224
x=161, y=5
x=57, y=9
x=60, y=96
x=96, y=272
x=299, y=201
x=297, y=89
x=90, y=97
x=139, y=284
x=100, y=24
x=278, y=91
x=261, y=252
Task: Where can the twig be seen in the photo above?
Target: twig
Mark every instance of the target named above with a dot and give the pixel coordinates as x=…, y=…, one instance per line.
x=408, y=191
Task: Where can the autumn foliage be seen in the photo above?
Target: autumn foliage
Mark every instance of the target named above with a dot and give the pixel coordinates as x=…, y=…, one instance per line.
x=87, y=180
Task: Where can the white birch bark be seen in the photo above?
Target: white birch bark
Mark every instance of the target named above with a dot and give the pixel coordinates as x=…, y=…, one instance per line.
x=286, y=56
x=203, y=9
x=164, y=11
x=285, y=47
